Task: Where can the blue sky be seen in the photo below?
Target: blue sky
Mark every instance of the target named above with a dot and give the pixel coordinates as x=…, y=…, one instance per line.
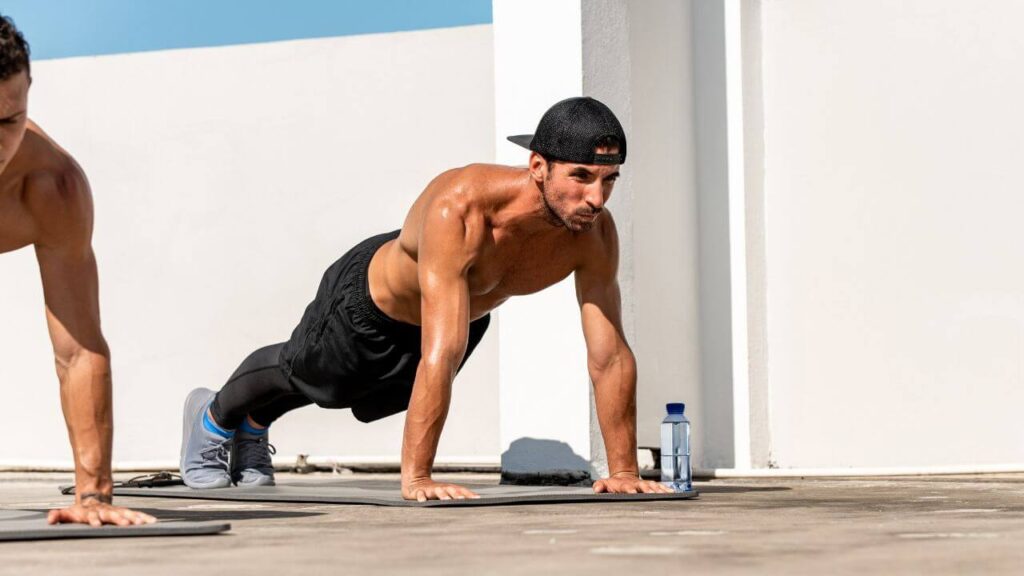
x=68, y=28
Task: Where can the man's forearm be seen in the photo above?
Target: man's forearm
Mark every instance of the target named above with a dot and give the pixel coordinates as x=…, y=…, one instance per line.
x=428, y=409
x=615, y=397
x=85, y=390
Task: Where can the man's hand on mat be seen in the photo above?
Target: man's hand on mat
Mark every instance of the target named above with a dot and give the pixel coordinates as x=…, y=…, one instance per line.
x=97, y=514
x=629, y=485
x=423, y=490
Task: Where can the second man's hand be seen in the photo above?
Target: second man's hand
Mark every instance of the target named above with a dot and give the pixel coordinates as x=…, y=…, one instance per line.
x=629, y=485
x=427, y=489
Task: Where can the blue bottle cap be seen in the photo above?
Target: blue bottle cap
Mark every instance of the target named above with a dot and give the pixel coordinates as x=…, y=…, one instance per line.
x=675, y=407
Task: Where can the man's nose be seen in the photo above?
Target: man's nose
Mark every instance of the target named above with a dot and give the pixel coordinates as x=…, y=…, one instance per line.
x=595, y=198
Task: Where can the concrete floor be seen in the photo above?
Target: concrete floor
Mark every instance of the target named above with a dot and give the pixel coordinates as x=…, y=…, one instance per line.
x=916, y=525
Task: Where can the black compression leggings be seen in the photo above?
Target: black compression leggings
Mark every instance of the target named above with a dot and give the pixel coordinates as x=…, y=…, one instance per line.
x=258, y=389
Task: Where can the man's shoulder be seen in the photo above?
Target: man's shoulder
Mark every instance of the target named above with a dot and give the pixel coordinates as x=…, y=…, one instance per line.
x=475, y=181
x=604, y=235
x=599, y=246
x=57, y=197
x=467, y=192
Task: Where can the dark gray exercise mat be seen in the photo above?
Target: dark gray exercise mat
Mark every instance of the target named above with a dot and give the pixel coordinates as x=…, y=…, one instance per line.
x=31, y=525
x=387, y=493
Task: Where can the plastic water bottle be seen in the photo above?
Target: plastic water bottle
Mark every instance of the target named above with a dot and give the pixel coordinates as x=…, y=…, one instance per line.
x=675, y=449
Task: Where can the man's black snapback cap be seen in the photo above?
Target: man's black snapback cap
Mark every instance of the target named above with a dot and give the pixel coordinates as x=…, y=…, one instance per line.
x=570, y=131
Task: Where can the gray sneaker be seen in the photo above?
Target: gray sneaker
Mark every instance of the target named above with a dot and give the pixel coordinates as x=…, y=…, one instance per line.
x=204, y=454
x=250, y=460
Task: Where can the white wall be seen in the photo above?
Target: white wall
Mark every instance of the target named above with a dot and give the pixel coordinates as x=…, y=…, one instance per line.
x=821, y=198
x=226, y=180
x=895, y=297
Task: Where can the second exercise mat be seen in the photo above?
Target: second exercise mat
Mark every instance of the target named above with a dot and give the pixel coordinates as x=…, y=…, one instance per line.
x=387, y=493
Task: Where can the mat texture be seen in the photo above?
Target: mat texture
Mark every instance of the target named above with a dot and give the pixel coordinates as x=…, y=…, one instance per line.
x=387, y=493
x=31, y=525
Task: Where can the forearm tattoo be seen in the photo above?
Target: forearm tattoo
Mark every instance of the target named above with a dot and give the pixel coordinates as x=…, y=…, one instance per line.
x=97, y=496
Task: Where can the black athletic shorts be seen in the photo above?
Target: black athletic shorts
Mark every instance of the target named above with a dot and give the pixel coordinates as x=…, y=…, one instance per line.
x=346, y=353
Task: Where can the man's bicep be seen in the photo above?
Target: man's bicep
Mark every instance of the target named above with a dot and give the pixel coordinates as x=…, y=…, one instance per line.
x=61, y=204
x=600, y=312
x=443, y=268
x=71, y=293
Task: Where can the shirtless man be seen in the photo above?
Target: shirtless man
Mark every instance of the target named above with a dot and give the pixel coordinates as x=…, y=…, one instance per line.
x=45, y=202
x=396, y=317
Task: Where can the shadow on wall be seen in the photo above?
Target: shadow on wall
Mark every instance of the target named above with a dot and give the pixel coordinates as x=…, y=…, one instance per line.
x=538, y=462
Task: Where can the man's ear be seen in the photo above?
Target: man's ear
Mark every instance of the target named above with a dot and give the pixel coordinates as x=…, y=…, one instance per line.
x=538, y=167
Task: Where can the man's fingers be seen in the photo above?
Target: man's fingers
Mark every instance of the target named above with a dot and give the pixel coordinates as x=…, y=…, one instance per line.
x=115, y=517
x=98, y=516
x=142, y=518
x=442, y=492
x=600, y=487
x=656, y=487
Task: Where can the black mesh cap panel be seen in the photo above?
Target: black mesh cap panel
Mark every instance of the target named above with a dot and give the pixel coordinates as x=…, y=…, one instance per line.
x=570, y=130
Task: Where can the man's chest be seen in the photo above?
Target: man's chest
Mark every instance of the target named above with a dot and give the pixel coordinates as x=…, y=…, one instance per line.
x=519, y=269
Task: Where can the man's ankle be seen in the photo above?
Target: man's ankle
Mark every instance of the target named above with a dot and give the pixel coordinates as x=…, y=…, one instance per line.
x=252, y=428
x=211, y=425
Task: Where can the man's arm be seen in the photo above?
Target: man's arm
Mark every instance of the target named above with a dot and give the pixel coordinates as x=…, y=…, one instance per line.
x=70, y=288
x=611, y=363
x=445, y=257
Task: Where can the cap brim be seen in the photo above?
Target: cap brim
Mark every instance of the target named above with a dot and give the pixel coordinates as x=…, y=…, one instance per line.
x=523, y=140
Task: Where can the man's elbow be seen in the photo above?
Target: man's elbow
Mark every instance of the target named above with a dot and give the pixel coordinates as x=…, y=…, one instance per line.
x=440, y=363
x=619, y=362
x=77, y=358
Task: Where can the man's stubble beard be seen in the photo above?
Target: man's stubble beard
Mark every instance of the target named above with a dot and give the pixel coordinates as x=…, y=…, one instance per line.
x=550, y=215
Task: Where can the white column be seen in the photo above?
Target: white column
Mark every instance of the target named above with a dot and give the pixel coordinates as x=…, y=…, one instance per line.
x=543, y=382
x=722, y=198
